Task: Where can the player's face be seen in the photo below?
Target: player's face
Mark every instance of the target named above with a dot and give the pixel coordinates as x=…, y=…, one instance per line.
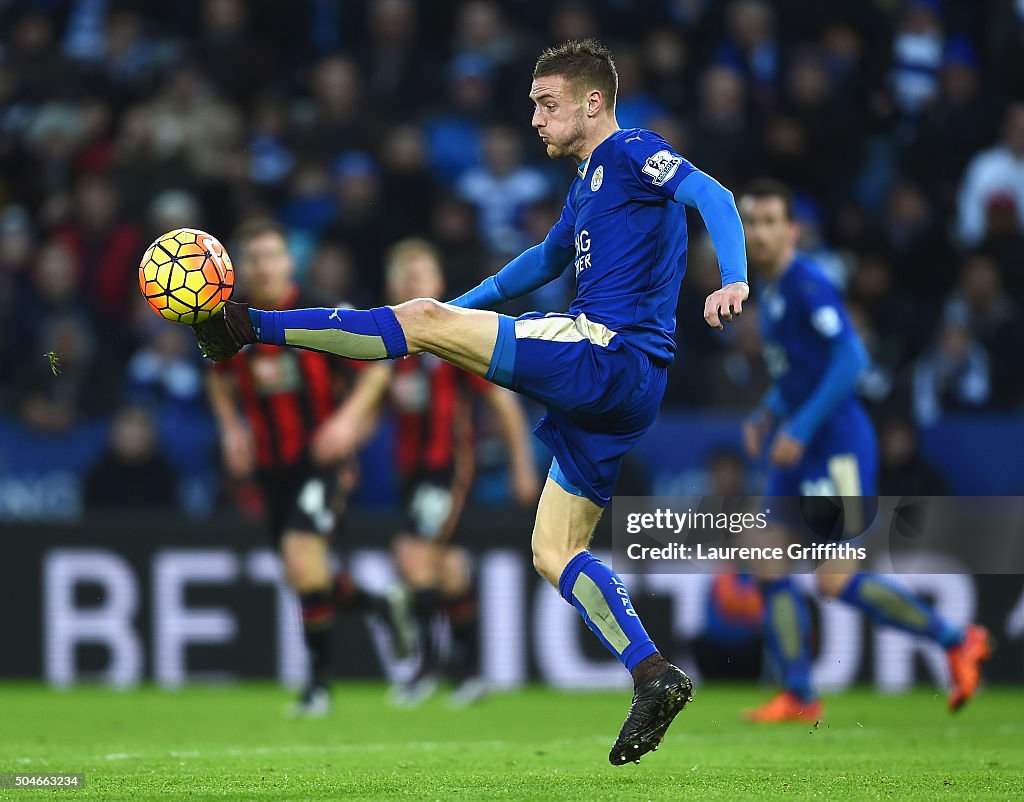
x=770, y=234
x=267, y=267
x=558, y=115
x=416, y=277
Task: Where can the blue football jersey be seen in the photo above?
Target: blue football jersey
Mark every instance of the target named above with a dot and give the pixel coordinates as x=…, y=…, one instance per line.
x=629, y=237
x=802, y=316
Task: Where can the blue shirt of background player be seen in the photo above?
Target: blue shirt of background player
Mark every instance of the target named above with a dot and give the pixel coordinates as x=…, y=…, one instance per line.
x=629, y=238
x=812, y=352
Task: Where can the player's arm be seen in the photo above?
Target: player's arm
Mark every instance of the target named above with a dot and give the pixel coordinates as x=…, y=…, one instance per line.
x=531, y=270
x=235, y=437
x=512, y=422
x=756, y=427
x=847, y=361
x=717, y=208
x=653, y=171
x=355, y=421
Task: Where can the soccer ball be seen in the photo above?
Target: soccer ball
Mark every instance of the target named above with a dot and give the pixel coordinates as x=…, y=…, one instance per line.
x=186, y=276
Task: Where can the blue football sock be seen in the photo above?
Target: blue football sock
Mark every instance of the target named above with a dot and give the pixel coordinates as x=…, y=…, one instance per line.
x=787, y=630
x=353, y=333
x=889, y=603
x=601, y=598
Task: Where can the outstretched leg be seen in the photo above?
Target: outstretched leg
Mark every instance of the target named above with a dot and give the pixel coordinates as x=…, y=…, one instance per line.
x=465, y=337
x=564, y=526
x=887, y=602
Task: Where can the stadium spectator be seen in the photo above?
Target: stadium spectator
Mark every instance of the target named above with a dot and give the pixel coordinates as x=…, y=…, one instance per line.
x=916, y=239
x=917, y=51
x=335, y=120
x=962, y=120
x=363, y=222
x=406, y=181
x=106, y=251
x=500, y=188
x=902, y=471
x=164, y=374
x=455, y=135
x=131, y=473
x=737, y=378
x=454, y=230
x=751, y=44
x=981, y=305
x=955, y=374
x=238, y=63
x=998, y=171
x=396, y=70
x=720, y=137
x=77, y=386
x=635, y=106
x=666, y=61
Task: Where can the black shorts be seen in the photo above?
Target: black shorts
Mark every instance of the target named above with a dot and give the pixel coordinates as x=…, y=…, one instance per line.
x=301, y=498
x=432, y=503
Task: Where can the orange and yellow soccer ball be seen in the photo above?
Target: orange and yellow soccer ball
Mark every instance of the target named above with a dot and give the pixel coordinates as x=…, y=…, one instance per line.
x=186, y=276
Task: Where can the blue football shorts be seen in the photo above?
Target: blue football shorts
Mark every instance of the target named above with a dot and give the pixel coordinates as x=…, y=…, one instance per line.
x=601, y=393
x=840, y=460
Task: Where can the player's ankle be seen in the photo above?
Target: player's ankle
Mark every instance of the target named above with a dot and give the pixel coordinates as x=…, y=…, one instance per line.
x=648, y=668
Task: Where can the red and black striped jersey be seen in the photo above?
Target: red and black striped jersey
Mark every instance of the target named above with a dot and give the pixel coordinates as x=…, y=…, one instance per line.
x=286, y=393
x=432, y=400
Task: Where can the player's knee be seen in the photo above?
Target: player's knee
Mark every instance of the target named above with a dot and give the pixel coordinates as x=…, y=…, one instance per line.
x=304, y=563
x=454, y=572
x=549, y=563
x=419, y=311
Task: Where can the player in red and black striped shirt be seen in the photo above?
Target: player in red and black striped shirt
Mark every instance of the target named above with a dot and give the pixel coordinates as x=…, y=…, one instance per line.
x=274, y=407
x=434, y=401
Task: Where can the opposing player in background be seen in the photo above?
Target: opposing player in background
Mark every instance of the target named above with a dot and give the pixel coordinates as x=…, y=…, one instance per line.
x=600, y=369
x=434, y=404
x=819, y=442
x=272, y=406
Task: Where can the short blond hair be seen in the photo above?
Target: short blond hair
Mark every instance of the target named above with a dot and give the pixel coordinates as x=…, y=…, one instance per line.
x=407, y=249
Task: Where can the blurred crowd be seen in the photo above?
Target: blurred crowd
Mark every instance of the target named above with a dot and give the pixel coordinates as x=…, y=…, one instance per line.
x=899, y=122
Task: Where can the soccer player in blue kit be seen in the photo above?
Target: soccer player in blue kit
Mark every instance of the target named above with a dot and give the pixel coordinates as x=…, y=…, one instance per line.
x=820, y=442
x=599, y=369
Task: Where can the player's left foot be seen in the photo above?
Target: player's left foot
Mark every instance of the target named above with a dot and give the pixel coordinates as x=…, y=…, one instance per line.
x=965, y=661
x=468, y=691
x=655, y=704
x=416, y=691
x=395, y=609
x=223, y=334
x=315, y=702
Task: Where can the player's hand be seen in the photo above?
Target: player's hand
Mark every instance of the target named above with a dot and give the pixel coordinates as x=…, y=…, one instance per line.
x=239, y=450
x=334, y=440
x=755, y=429
x=786, y=450
x=725, y=304
x=525, y=486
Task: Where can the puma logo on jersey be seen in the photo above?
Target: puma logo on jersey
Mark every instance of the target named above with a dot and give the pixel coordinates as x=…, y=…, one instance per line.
x=633, y=139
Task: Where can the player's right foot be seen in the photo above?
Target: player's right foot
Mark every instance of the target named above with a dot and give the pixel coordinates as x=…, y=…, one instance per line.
x=315, y=702
x=655, y=704
x=222, y=335
x=468, y=691
x=786, y=706
x=965, y=661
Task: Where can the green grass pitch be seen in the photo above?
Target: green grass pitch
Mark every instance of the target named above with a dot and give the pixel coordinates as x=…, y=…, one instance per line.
x=213, y=743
